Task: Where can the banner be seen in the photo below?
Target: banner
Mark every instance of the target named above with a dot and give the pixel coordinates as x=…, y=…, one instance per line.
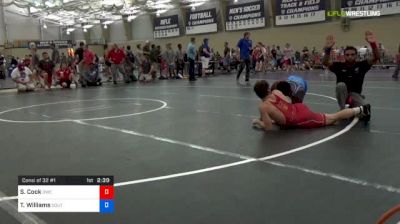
x=300, y=11
x=58, y=43
x=245, y=16
x=204, y=21
x=167, y=26
x=386, y=7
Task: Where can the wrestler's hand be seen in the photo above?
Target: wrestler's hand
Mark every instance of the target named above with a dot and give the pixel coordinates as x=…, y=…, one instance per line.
x=370, y=37
x=330, y=41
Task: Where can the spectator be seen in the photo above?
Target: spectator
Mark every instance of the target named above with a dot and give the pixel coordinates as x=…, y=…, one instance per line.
x=117, y=58
x=22, y=76
x=191, y=55
x=205, y=56
x=180, y=61
x=65, y=76
x=397, y=70
x=169, y=57
x=46, y=67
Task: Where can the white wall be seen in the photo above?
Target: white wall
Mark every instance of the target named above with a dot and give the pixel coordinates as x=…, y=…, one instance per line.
x=51, y=33
x=96, y=32
x=117, y=32
x=21, y=27
x=142, y=28
x=78, y=34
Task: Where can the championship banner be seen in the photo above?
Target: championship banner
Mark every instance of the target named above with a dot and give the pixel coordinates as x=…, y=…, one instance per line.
x=245, y=16
x=167, y=26
x=58, y=43
x=301, y=11
x=204, y=21
x=386, y=7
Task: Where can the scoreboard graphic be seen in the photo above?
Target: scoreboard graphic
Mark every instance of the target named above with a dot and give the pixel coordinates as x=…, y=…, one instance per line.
x=66, y=194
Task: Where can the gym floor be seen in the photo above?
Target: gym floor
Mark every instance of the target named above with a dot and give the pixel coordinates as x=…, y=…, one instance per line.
x=185, y=152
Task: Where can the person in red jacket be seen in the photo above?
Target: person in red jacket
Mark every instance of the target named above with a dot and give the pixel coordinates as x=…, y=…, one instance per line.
x=117, y=58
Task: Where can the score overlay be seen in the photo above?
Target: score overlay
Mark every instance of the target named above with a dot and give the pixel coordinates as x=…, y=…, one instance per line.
x=66, y=194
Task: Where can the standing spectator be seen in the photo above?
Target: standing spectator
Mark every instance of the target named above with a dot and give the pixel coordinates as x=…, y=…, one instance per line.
x=22, y=76
x=153, y=56
x=274, y=58
x=117, y=57
x=63, y=59
x=2, y=67
x=158, y=58
x=79, y=56
x=55, y=56
x=138, y=59
x=297, y=60
x=86, y=65
x=191, y=55
x=205, y=55
x=288, y=52
x=396, y=72
x=383, y=53
x=244, y=48
x=180, y=61
x=130, y=64
x=279, y=57
x=107, y=64
x=306, y=59
x=169, y=57
x=227, y=57
x=256, y=56
x=46, y=67
x=35, y=65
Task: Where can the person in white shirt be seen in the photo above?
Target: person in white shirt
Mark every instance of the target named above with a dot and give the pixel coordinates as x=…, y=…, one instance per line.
x=22, y=76
x=288, y=53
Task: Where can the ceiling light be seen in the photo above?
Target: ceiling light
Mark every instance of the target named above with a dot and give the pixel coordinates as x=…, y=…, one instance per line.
x=87, y=26
x=68, y=32
x=85, y=30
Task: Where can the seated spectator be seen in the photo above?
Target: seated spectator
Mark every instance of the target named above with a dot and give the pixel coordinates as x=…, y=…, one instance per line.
x=91, y=77
x=65, y=76
x=22, y=76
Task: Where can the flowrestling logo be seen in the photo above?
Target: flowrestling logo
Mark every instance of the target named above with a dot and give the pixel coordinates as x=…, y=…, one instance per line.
x=369, y=13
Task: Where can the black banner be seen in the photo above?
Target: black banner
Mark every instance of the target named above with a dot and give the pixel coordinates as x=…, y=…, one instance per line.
x=204, y=21
x=167, y=26
x=299, y=11
x=386, y=7
x=245, y=16
x=58, y=43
